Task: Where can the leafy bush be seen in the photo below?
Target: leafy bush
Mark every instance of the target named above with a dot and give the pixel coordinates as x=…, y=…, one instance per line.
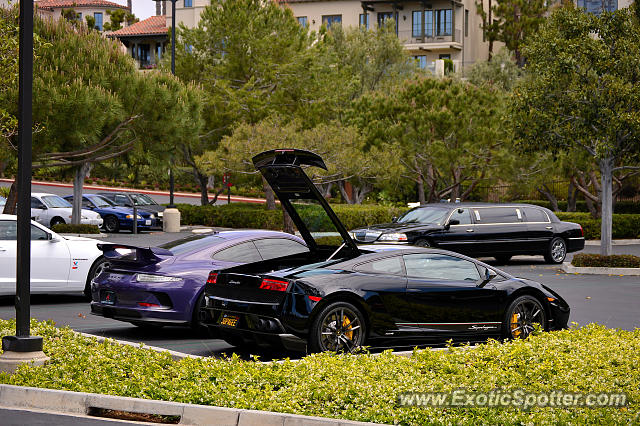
x=250, y=215
x=622, y=207
x=68, y=228
x=591, y=359
x=624, y=225
x=612, y=261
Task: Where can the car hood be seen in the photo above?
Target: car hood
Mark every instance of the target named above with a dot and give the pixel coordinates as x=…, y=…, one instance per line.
x=282, y=168
x=373, y=232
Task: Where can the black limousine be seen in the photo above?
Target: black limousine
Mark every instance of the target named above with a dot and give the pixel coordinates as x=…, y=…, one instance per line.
x=481, y=229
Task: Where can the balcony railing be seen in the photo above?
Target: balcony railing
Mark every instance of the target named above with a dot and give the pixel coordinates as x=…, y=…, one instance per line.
x=408, y=37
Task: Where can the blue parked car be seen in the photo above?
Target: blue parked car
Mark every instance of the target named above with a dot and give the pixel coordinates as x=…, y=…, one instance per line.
x=115, y=217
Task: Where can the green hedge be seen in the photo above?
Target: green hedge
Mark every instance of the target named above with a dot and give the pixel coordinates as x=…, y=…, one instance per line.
x=624, y=225
x=592, y=359
x=622, y=207
x=248, y=215
x=68, y=228
x=612, y=261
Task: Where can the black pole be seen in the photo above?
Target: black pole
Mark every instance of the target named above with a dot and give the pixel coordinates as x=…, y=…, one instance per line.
x=135, y=218
x=173, y=71
x=22, y=341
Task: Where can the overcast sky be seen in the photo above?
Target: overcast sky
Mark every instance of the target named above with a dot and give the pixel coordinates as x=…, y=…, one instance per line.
x=142, y=8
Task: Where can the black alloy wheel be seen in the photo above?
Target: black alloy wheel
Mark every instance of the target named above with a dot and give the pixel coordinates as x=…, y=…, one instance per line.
x=522, y=316
x=557, y=251
x=422, y=243
x=339, y=327
x=57, y=221
x=502, y=259
x=97, y=268
x=111, y=224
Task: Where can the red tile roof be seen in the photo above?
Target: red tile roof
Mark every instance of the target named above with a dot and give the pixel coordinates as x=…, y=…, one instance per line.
x=150, y=26
x=78, y=3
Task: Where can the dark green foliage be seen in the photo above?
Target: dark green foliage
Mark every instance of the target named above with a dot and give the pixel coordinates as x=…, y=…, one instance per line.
x=624, y=225
x=612, y=261
x=622, y=207
x=591, y=359
x=68, y=228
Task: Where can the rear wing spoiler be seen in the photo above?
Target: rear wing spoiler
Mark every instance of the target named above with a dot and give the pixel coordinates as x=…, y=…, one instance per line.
x=288, y=157
x=132, y=255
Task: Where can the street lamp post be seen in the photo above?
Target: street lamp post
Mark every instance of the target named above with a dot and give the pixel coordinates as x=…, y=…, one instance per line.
x=23, y=347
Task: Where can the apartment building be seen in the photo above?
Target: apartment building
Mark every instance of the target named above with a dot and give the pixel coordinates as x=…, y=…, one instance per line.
x=145, y=40
x=96, y=8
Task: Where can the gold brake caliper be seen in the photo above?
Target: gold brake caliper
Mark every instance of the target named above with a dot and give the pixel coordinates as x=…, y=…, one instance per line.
x=514, y=325
x=347, y=323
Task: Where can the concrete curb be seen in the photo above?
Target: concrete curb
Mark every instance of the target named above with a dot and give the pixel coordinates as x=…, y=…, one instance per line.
x=570, y=269
x=614, y=242
x=80, y=403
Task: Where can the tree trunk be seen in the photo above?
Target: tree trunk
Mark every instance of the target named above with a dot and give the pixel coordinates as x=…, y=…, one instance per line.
x=78, y=182
x=490, y=36
x=203, y=181
x=268, y=195
x=420, y=190
x=287, y=222
x=544, y=190
x=12, y=199
x=360, y=192
x=606, y=175
x=572, y=195
x=343, y=191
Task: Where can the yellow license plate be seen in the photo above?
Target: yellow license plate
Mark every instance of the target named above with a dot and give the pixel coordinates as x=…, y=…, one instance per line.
x=229, y=320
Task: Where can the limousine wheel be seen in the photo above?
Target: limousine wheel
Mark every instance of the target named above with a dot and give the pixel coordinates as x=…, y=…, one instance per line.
x=422, y=243
x=557, y=251
x=339, y=327
x=522, y=316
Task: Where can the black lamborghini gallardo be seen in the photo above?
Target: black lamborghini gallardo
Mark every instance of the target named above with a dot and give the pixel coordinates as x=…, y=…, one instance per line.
x=339, y=298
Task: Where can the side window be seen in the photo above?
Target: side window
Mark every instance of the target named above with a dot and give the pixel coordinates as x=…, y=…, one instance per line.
x=498, y=215
x=86, y=203
x=389, y=265
x=535, y=215
x=121, y=200
x=271, y=248
x=240, y=253
x=38, y=234
x=36, y=204
x=461, y=215
x=440, y=267
x=8, y=230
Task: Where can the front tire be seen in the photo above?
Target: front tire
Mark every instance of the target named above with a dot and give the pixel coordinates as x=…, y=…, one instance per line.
x=339, y=327
x=111, y=224
x=57, y=221
x=557, y=251
x=521, y=317
x=422, y=243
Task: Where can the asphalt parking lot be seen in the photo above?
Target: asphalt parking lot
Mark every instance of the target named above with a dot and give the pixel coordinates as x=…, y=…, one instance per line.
x=611, y=300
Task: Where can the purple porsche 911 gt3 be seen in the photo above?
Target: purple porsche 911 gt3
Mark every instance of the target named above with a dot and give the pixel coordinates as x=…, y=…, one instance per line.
x=157, y=286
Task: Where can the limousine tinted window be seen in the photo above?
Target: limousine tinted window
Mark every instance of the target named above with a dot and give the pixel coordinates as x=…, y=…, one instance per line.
x=498, y=215
x=461, y=215
x=424, y=215
x=535, y=215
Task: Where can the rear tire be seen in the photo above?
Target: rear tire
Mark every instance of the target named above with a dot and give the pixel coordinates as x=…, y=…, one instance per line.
x=556, y=252
x=111, y=224
x=521, y=316
x=339, y=327
x=96, y=269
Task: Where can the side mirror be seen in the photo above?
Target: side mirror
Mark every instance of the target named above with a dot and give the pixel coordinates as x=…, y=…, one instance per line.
x=489, y=274
x=53, y=238
x=394, y=219
x=451, y=222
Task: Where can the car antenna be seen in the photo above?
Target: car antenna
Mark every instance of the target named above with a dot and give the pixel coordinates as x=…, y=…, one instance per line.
x=336, y=252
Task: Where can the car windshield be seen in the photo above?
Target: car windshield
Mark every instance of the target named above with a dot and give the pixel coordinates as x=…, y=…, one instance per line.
x=53, y=201
x=143, y=200
x=192, y=243
x=425, y=215
x=101, y=201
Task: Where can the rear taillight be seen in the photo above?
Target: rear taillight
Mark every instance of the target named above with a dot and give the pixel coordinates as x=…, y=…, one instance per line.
x=213, y=277
x=275, y=285
x=581, y=231
x=148, y=305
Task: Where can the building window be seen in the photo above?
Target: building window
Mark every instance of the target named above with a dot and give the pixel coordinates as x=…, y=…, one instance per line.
x=330, y=20
x=98, y=17
x=598, y=6
x=416, y=25
x=444, y=22
x=466, y=23
x=444, y=56
x=428, y=23
x=188, y=3
x=79, y=16
x=421, y=61
x=303, y=21
x=364, y=20
x=159, y=50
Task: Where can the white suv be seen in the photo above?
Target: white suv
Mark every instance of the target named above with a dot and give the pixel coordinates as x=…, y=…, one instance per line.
x=50, y=209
